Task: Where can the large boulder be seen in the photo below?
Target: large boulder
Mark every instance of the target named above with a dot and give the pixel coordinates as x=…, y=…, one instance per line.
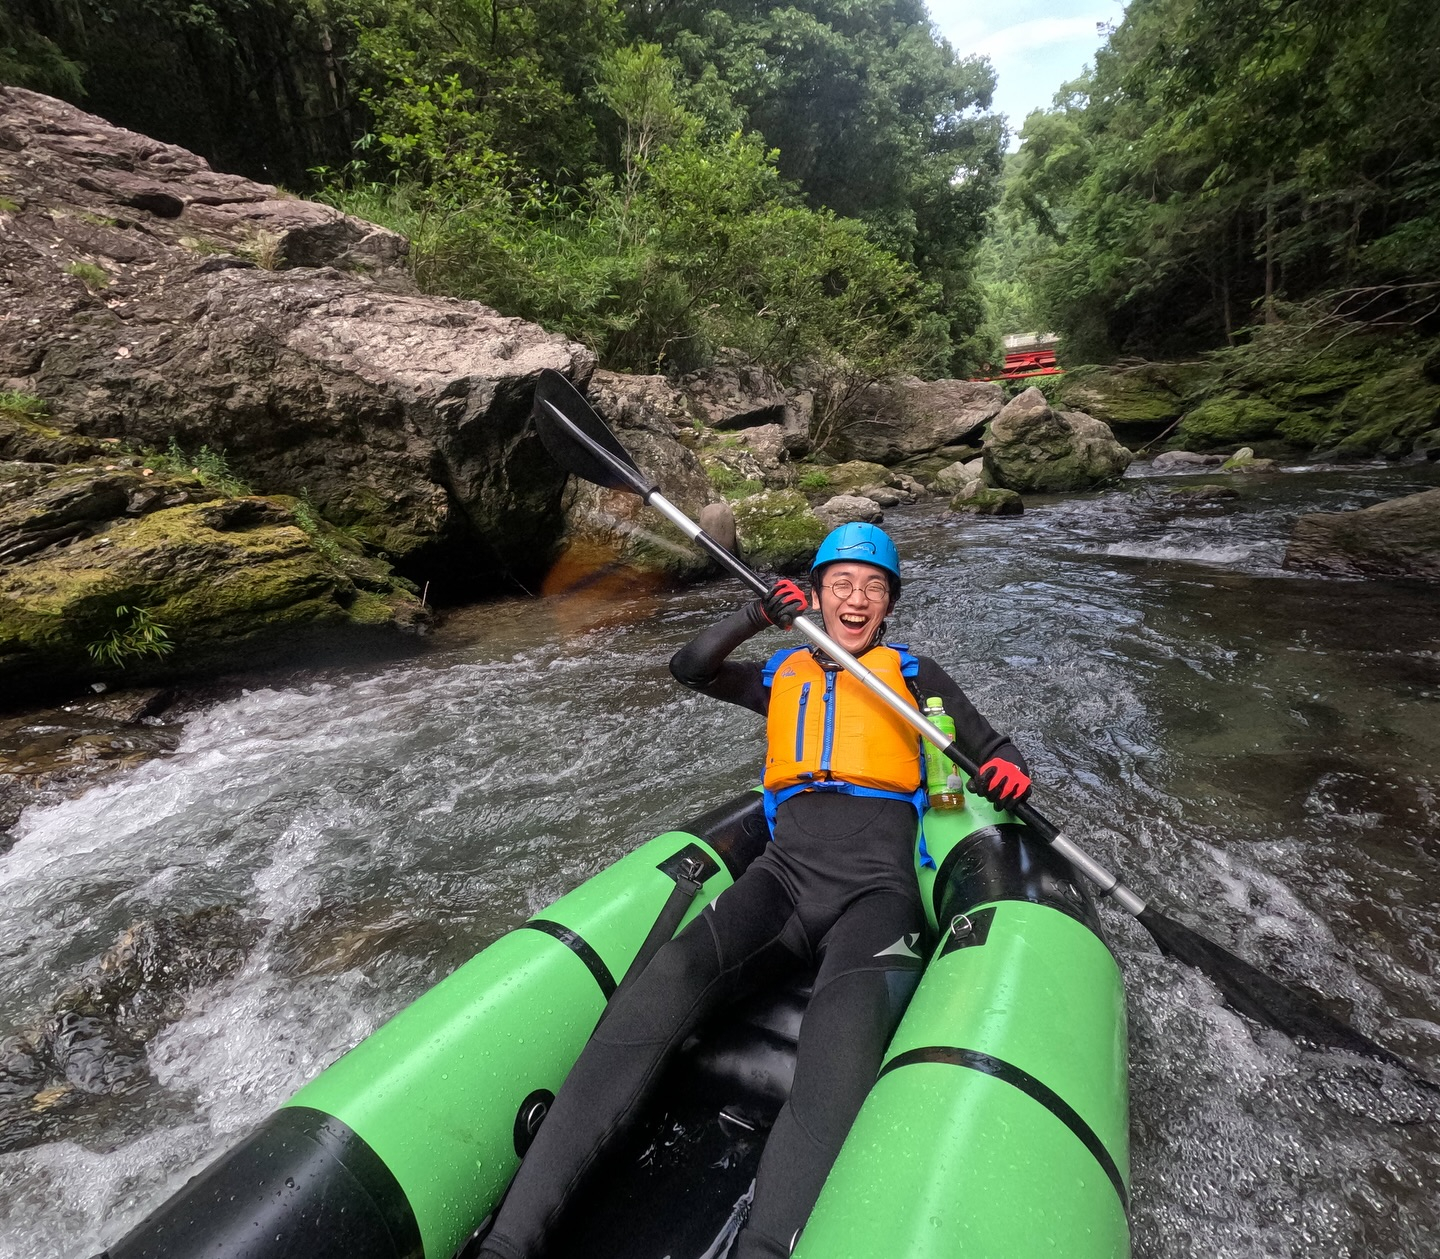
x=155, y=300
x=111, y=571
x=901, y=420
x=844, y=508
x=1032, y=447
x=778, y=531
x=735, y=394
x=604, y=526
x=1140, y=395
x=1399, y=538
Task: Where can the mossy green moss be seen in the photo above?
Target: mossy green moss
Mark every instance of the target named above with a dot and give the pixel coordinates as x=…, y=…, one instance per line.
x=228, y=579
x=1229, y=419
x=778, y=531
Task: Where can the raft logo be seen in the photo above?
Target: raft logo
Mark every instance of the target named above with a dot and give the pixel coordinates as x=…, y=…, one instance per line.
x=900, y=948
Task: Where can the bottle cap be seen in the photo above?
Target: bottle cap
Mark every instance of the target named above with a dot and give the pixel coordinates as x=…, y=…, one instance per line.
x=934, y=702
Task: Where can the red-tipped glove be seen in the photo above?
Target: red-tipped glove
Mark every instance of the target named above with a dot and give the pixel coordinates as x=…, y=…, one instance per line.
x=784, y=603
x=1004, y=785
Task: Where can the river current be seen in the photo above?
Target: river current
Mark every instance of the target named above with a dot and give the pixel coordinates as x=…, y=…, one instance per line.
x=1257, y=750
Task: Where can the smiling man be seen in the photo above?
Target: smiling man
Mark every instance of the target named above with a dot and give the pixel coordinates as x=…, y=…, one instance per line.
x=836, y=889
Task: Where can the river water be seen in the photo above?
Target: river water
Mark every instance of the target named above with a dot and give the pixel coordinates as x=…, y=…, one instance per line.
x=1256, y=749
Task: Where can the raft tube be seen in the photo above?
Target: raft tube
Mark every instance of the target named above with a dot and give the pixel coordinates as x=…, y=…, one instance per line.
x=998, y=1127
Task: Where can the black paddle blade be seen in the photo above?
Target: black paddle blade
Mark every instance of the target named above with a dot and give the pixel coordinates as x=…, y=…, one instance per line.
x=1261, y=997
x=565, y=420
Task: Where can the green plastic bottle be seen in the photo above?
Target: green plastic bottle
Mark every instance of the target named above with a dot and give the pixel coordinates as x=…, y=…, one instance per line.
x=942, y=777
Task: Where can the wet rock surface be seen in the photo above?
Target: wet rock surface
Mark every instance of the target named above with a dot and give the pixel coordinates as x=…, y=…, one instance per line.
x=88, y=1047
x=844, y=508
x=1400, y=538
x=650, y=417
x=1032, y=447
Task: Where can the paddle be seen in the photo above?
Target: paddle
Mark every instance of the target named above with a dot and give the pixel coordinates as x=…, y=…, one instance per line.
x=581, y=443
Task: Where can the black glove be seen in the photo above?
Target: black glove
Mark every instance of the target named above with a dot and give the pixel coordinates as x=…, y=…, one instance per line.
x=1001, y=783
x=784, y=603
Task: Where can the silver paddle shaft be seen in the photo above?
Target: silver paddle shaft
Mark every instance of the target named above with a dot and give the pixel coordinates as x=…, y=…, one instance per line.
x=1106, y=884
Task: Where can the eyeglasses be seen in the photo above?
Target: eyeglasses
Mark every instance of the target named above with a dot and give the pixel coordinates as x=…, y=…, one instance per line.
x=843, y=588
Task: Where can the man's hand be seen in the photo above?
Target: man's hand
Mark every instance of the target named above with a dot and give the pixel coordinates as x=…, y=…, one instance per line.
x=784, y=603
x=1004, y=785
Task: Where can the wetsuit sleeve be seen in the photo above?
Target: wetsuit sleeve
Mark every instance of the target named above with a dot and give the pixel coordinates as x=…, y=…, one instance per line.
x=976, y=736
x=702, y=666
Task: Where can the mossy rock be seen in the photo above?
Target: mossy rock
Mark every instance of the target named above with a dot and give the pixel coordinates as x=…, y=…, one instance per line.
x=981, y=500
x=229, y=582
x=1118, y=396
x=846, y=478
x=778, y=531
x=1229, y=419
x=1388, y=413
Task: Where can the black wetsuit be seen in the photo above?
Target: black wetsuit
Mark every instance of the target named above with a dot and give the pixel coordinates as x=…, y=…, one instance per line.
x=836, y=887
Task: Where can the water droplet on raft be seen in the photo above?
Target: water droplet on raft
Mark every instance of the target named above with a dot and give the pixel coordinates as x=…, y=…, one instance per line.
x=289, y=1182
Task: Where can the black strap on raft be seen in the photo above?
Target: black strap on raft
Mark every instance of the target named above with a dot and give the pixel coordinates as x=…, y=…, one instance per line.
x=689, y=867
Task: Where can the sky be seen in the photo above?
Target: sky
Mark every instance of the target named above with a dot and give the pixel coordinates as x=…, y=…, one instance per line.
x=1034, y=45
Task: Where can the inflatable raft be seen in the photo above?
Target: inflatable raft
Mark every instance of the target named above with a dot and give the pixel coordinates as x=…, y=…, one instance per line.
x=997, y=1128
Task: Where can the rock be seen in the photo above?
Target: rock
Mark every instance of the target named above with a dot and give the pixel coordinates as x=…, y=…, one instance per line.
x=882, y=495
x=278, y=330
x=90, y=556
x=908, y=418
x=735, y=394
x=1243, y=460
x=848, y=477
x=1399, y=538
x=1231, y=418
x=958, y=475
x=1144, y=395
x=844, y=508
x=1201, y=493
x=129, y=707
x=799, y=410
x=767, y=443
x=778, y=531
x=612, y=526
x=981, y=500
x=91, y=1041
x=718, y=520
x=1033, y=447
x=1184, y=460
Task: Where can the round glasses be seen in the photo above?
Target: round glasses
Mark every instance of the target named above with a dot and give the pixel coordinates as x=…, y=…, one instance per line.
x=843, y=588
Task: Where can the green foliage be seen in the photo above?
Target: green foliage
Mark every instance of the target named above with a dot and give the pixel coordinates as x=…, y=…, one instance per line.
x=1224, y=157
x=7, y=206
x=90, y=275
x=138, y=636
x=308, y=518
x=815, y=480
x=15, y=404
x=699, y=243
x=210, y=467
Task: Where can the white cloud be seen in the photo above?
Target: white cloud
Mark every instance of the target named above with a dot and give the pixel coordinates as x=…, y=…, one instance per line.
x=1023, y=37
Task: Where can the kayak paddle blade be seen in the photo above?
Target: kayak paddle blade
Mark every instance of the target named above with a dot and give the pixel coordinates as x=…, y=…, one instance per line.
x=571, y=431
x=1261, y=997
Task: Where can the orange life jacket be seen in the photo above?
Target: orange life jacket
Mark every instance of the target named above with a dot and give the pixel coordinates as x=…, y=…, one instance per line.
x=826, y=732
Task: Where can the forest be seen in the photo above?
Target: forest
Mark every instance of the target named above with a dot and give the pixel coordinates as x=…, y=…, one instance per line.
x=821, y=185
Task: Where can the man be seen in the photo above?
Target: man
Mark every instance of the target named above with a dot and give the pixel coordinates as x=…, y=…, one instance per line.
x=844, y=778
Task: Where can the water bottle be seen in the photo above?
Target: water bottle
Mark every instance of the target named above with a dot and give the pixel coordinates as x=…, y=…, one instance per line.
x=942, y=776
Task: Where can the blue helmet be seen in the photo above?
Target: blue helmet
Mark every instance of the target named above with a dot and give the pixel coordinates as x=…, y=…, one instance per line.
x=861, y=544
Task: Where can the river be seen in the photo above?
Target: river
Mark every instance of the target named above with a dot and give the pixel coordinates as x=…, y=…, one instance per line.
x=1258, y=750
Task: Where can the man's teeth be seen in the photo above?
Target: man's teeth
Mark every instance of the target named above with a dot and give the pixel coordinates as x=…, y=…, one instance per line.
x=857, y=621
